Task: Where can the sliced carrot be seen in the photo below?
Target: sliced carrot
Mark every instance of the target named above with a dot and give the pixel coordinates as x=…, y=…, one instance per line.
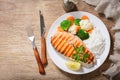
x=71, y=18
x=84, y=17
x=90, y=31
x=77, y=28
x=60, y=29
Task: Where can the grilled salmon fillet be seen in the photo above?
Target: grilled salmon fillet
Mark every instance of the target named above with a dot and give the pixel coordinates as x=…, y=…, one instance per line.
x=65, y=43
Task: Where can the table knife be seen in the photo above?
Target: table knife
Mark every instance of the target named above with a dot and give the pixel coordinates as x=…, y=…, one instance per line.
x=43, y=41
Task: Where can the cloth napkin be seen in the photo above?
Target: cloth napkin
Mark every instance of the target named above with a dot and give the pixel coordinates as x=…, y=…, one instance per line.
x=111, y=9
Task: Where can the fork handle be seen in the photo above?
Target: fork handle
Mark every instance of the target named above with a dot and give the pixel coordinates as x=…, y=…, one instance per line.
x=40, y=65
x=43, y=51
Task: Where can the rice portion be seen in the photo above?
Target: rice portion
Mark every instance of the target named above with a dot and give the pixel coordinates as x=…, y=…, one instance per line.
x=95, y=43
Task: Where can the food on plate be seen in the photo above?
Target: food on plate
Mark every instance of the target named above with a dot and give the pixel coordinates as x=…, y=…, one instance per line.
x=71, y=18
x=78, y=40
x=76, y=21
x=80, y=27
x=73, y=65
x=74, y=29
x=69, y=45
x=82, y=34
x=65, y=24
x=86, y=25
x=84, y=17
x=96, y=42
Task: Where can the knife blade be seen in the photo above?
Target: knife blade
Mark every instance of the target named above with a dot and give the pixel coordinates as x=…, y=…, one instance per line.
x=42, y=25
x=43, y=41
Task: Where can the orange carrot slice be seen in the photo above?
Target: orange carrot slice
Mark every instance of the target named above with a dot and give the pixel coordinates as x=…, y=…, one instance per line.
x=77, y=28
x=60, y=29
x=90, y=31
x=84, y=17
x=71, y=18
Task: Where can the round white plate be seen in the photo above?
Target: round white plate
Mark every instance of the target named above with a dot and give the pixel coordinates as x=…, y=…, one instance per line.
x=60, y=60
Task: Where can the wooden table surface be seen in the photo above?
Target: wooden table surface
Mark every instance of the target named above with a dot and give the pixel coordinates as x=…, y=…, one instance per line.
x=17, y=61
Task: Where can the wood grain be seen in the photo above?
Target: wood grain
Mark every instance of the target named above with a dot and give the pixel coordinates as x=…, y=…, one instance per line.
x=17, y=61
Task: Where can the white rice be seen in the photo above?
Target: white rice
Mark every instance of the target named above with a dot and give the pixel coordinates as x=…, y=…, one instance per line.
x=95, y=43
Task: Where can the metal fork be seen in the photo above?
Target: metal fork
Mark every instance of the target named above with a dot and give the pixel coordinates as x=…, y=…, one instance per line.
x=36, y=53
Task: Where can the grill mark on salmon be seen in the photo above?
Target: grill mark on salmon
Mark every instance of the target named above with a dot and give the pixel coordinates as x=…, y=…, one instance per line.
x=67, y=49
x=55, y=39
x=65, y=43
x=61, y=47
x=72, y=49
x=58, y=41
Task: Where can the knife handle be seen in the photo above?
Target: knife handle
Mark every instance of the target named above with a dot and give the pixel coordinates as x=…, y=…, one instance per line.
x=40, y=65
x=43, y=51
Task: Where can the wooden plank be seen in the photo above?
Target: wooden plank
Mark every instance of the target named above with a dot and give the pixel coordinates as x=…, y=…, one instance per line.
x=17, y=61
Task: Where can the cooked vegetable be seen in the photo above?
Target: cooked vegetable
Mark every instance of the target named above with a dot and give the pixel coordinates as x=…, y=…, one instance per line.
x=60, y=29
x=82, y=34
x=86, y=25
x=84, y=17
x=76, y=22
x=65, y=24
x=73, y=29
x=77, y=28
x=71, y=18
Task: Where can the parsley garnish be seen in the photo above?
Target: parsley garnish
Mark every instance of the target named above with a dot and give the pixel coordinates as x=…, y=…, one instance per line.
x=80, y=55
x=79, y=49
